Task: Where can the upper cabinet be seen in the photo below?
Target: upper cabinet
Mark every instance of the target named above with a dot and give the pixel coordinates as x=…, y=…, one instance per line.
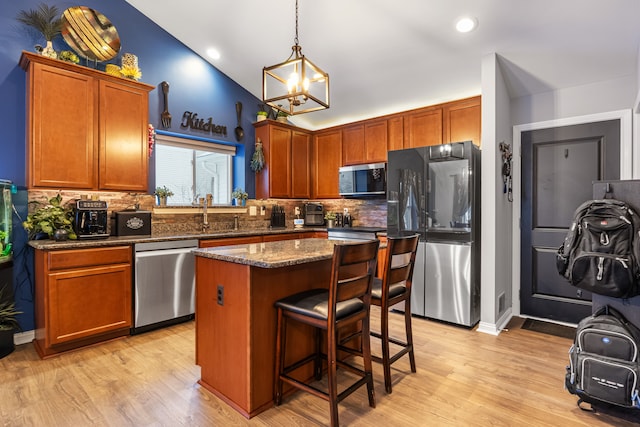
x=85, y=129
x=326, y=160
x=423, y=127
x=461, y=121
x=287, y=151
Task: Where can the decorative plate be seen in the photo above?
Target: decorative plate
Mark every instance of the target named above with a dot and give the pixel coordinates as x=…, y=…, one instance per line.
x=90, y=33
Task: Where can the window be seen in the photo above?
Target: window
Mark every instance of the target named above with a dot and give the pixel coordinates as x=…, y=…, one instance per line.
x=192, y=169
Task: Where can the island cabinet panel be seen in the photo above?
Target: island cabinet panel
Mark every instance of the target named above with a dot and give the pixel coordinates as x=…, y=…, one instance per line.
x=287, y=158
x=85, y=129
x=423, y=127
x=235, y=340
x=326, y=160
x=462, y=121
x=83, y=296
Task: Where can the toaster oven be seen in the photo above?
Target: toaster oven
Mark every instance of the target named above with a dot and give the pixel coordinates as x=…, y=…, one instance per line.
x=313, y=214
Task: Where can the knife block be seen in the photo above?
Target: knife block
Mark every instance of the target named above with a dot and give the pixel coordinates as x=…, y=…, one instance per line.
x=277, y=220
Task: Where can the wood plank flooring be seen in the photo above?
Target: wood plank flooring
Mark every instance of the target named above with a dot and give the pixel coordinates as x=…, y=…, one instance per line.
x=464, y=378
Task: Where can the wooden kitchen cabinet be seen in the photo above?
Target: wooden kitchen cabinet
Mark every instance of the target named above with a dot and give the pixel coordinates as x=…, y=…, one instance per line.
x=286, y=171
x=395, y=133
x=85, y=129
x=423, y=127
x=326, y=160
x=365, y=143
x=83, y=296
x=462, y=121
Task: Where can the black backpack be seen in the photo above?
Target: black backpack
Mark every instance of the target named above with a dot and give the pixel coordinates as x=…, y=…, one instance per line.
x=602, y=248
x=604, y=360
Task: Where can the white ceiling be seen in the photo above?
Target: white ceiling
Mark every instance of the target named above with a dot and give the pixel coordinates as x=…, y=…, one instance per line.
x=388, y=56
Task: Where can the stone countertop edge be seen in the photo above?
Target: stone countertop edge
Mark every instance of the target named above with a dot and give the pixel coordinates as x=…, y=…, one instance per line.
x=50, y=245
x=277, y=254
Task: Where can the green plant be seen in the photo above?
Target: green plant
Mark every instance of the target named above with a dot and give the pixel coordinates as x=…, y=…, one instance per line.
x=49, y=217
x=239, y=193
x=163, y=191
x=45, y=19
x=262, y=113
x=330, y=216
x=8, y=313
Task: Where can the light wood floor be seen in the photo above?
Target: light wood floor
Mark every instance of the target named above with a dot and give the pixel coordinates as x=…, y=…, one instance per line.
x=464, y=378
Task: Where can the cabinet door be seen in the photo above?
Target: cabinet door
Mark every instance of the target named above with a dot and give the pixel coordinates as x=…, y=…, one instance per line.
x=300, y=165
x=353, y=146
x=123, y=137
x=395, y=132
x=61, y=128
x=423, y=128
x=87, y=302
x=279, y=162
x=327, y=159
x=375, y=141
x=462, y=121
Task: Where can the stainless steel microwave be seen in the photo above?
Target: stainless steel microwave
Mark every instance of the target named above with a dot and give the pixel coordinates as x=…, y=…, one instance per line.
x=363, y=180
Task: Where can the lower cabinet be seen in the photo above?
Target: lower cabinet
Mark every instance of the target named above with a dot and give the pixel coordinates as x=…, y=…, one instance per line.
x=83, y=296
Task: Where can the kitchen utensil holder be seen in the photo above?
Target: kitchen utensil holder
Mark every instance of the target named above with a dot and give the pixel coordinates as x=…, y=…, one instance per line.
x=277, y=220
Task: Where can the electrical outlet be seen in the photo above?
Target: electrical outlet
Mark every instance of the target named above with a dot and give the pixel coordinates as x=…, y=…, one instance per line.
x=346, y=210
x=296, y=210
x=252, y=210
x=263, y=210
x=220, y=295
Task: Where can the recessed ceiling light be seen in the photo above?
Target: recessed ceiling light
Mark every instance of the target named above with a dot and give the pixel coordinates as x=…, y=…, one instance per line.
x=466, y=24
x=213, y=53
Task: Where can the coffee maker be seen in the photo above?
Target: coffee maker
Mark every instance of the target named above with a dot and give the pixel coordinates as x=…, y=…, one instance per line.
x=91, y=219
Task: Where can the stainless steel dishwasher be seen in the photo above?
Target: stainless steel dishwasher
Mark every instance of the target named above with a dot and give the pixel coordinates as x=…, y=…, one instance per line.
x=164, y=288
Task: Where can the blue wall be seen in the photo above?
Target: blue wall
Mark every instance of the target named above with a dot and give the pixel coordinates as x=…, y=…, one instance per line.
x=195, y=86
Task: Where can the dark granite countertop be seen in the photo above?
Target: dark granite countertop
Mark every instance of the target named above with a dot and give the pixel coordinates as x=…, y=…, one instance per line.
x=131, y=240
x=273, y=254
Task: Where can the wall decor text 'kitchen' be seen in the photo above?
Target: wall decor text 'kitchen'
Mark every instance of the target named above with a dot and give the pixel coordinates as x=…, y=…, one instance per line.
x=191, y=120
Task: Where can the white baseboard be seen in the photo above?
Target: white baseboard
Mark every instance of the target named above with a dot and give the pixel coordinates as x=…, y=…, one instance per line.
x=496, y=328
x=24, y=337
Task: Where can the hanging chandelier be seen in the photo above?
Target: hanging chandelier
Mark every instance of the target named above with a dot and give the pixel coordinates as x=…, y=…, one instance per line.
x=296, y=85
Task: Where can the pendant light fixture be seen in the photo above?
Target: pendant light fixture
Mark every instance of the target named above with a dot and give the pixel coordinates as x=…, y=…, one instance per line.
x=297, y=85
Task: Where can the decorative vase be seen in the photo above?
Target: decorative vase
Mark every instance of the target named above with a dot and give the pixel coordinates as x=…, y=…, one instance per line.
x=240, y=202
x=48, y=50
x=261, y=117
x=162, y=200
x=60, y=235
x=331, y=223
x=282, y=119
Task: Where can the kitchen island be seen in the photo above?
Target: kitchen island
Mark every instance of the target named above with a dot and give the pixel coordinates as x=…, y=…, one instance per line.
x=236, y=287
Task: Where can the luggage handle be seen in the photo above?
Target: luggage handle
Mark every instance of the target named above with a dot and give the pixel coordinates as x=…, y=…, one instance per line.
x=606, y=309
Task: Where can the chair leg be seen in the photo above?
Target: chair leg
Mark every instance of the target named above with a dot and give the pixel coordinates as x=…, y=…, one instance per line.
x=366, y=356
x=384, y=336
x=407, y=325
x=332, y=377
x=317, y=362
x=279, y=362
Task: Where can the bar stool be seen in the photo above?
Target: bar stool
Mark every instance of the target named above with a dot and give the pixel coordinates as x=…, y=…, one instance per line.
x=344, y=305
x=395, y=287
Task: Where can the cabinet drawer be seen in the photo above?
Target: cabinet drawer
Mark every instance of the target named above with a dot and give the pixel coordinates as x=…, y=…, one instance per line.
x=74, y=258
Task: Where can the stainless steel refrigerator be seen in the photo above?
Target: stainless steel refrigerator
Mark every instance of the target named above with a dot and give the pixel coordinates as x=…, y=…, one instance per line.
x=435, y=191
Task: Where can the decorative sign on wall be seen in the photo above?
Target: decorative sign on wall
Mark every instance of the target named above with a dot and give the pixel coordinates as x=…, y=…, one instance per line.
x=191, y=121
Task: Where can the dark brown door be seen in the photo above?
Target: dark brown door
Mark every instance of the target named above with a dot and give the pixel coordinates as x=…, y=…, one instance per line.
x=559, y=166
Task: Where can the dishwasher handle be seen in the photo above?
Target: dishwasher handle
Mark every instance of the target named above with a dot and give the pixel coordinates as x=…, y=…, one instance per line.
x=161, y=252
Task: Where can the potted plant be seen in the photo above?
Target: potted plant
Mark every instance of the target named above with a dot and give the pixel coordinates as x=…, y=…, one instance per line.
x=261, y=115
x=163, y=193
x=8, y=324
x=240, y=196
x=50, y=218
x=330, y=217
x=282, y=116
x=47, y=21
